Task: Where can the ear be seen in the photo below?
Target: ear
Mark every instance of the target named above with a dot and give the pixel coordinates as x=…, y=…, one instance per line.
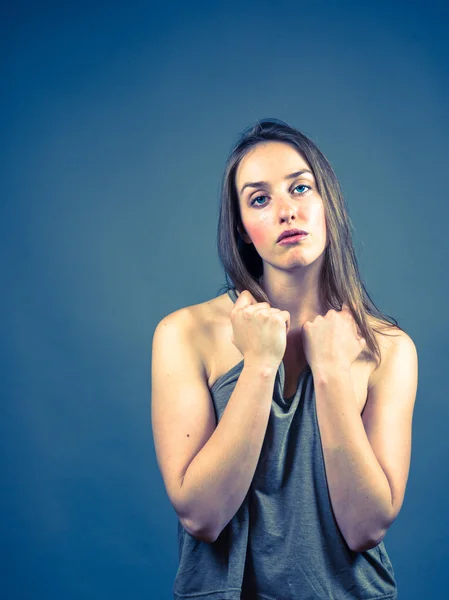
x=245, y=237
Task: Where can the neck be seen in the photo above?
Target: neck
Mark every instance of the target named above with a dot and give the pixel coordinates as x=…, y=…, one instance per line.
x=302, y=301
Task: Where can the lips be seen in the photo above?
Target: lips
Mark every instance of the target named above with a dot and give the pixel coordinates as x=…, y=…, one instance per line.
x=290, y=232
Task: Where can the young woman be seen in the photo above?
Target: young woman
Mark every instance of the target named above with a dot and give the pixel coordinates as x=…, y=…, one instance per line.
x=282, y=409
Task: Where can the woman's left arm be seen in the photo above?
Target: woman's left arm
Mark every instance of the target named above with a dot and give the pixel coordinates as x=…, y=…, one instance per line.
x=367, y=457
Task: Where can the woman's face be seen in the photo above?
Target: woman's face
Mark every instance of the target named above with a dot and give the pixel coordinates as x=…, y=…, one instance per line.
x=282, y=202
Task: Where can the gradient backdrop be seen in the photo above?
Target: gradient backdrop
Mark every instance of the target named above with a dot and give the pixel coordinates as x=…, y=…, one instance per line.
x=116, y=121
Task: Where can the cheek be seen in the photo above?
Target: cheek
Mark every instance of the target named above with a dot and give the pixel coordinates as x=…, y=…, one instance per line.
x=258, y=232
x=316, y=215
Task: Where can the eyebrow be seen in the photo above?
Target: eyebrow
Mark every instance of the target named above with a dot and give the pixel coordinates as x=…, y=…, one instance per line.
x=266, y=184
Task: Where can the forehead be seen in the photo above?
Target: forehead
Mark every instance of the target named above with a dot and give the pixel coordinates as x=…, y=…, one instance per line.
x=269, y=160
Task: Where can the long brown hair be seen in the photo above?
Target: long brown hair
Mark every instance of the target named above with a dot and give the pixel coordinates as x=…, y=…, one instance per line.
x=340, y=280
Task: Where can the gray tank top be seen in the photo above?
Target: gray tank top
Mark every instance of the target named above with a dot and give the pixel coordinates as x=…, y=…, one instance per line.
x=283, y=543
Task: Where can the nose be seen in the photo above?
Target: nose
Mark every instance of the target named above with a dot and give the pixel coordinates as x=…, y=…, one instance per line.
x=286, y=212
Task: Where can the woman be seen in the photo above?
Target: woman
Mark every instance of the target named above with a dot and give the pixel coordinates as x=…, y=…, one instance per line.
x=282, y=409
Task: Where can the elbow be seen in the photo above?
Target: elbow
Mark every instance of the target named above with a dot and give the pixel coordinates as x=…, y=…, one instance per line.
x=364, y=545
x=208, y=538
x=202, y=534
x=366, y=542
x=365, y=539
x=205, y=535
x=198, y=529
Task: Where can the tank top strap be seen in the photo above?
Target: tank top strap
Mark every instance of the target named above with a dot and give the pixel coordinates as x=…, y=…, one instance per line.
x=232, y=294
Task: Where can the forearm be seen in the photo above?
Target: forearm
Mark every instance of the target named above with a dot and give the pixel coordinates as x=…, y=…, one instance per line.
x=218, y=478
x=358, y=487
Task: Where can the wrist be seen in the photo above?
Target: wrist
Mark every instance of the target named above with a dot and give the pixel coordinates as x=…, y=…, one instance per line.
x=263, y=369
x=325, y=373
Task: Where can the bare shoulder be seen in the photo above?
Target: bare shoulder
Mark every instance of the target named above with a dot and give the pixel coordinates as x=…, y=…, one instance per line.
x=182, y=411
x=203, y=317
x=196, y=315
x=198, y=322
x=395, y=346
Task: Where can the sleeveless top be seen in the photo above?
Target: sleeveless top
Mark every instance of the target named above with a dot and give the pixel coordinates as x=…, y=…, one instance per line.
x=283, y=543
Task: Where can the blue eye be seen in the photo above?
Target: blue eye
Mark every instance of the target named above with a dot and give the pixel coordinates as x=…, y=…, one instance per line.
x=255, y=199
x=301, y=185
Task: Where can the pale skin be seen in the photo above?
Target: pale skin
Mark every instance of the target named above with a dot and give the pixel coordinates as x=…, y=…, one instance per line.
x=290, y=275
x=367, y=457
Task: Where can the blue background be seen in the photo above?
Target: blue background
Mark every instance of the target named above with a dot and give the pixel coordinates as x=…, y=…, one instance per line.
x=116, y=120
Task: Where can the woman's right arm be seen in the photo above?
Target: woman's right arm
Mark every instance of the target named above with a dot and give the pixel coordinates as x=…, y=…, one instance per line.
x=207, y=468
